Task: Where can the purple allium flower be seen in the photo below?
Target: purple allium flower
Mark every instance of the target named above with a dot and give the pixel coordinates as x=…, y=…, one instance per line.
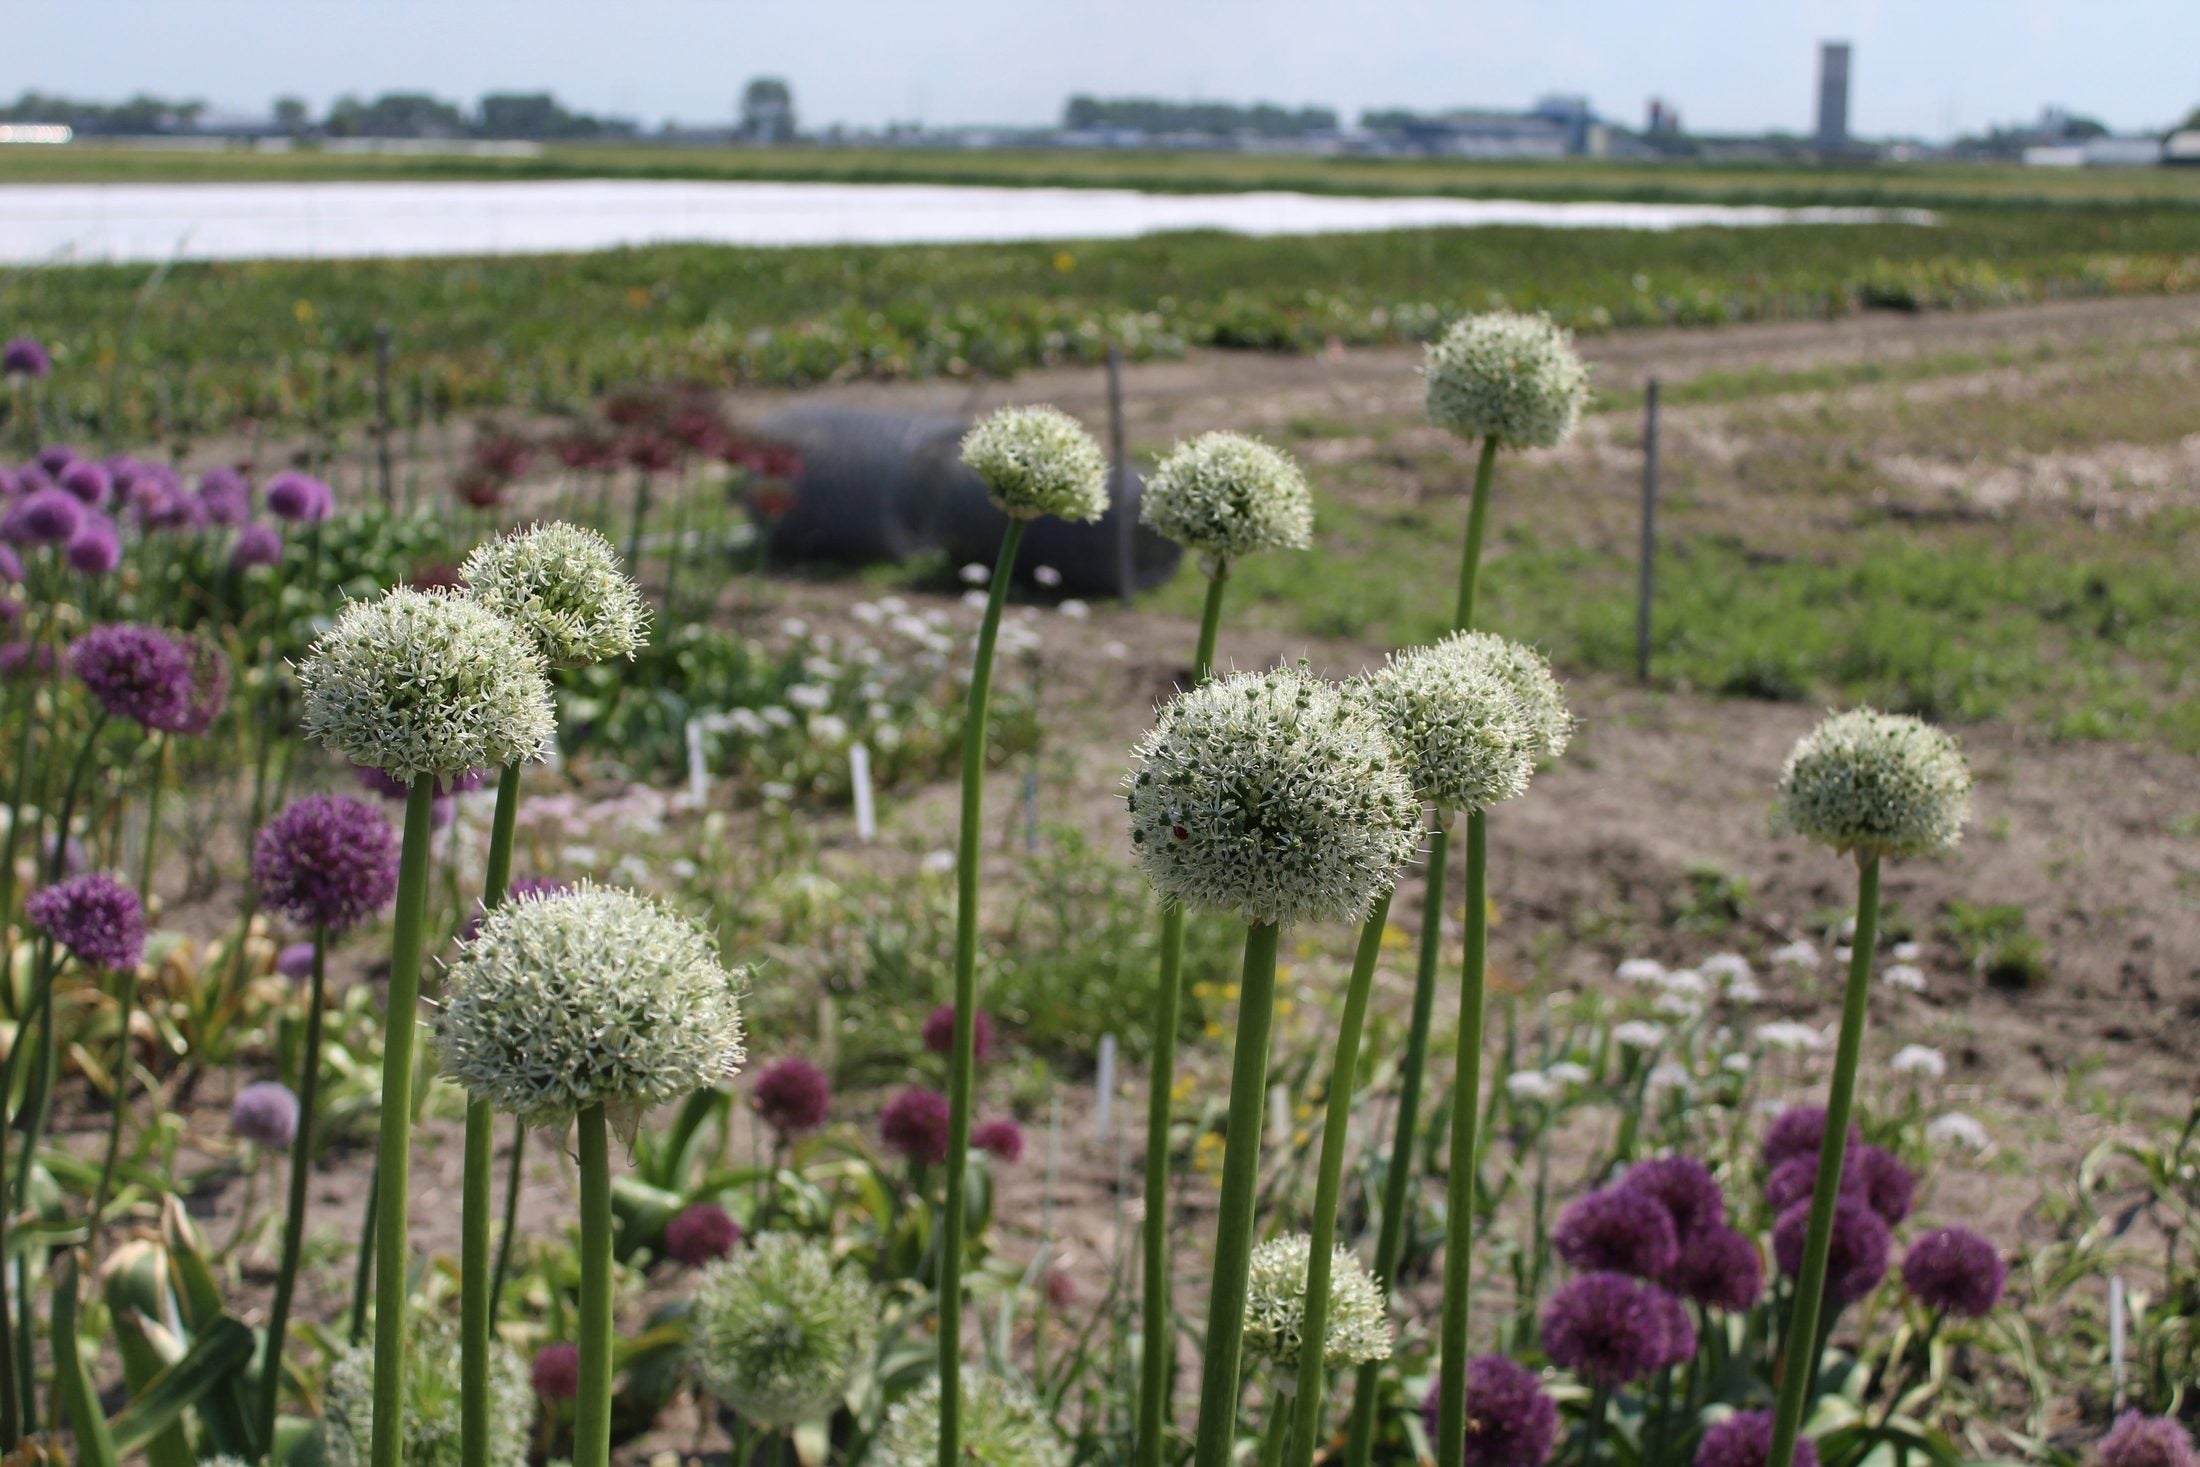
x=1511, y=1420
x=556, y=1372
x=1607, y=1328
x=25, y=356
x=11, y=566
x=256, y=545
x=700, y=1233
x=300, y=498
x=1956, y=1270
x=1858, y=1258
x=43, y=517
x=22, y=661
x=939, y=1032
x=225, y=495
x=1720, y=1267
x=1686, y=1188
x=1795, y=1179
x=1745, y=1440
x=11, y=612
x=1888, y=1185
x=914, y=1123
x=1617, y=1230
x=1000, y=1138
x=1061, y=1287
x=94, y=916
x=54, y=457
x=88, y=483
x=326, y=861
x=295, y=961
x=2147, y=1441
x=136, y=672
x=792, y=1095
x=1799, y=1131
x=1680, y=1331
x=95, y=549
x=265, y=1113
x=209, y=689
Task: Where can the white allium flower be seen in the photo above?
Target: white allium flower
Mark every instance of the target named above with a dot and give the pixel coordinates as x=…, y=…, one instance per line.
x=1687, y=982
x=1273, y=796
x=1680, y=1006
x=777, y=1331
x=1003, y=1425
x=1921, y=1060
x=1038, y=461
x=1670, y=1076
x=1797, y=954
x=1358, y=1327
x=1725, y=967
x=593, y=996
x=975, y=574
x=1908, y=952
x=1507, y=376
x=1957, y=1129
x=1531, y=1085
x=1791, y=1036
x=1458, y=723
x=1074, y=609
x=1880, y=783
x=1226, y=495
x=1905, y=977
x=1568, y=1072
x=938, y=863
x=1550, y=723
x=1744, y=990
x=1737, y=1063
x=1638, y=1034
x=975, y=600
x=426, y=682
x=1640, y=970
x=565, y=586
x=431, y=1401
x=1046, y=575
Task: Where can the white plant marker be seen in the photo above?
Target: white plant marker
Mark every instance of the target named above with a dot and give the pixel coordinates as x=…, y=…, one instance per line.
x=2116, y=1325
x=1279, y=1116
x=1103, y=1111
x=698, y=768
x=859, y=777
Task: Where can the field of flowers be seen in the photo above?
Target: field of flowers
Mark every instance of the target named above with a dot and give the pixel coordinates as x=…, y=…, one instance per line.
x=457, y=788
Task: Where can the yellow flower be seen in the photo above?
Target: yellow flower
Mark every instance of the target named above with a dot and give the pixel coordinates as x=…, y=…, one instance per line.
x=304, y=311
x=1064, y=261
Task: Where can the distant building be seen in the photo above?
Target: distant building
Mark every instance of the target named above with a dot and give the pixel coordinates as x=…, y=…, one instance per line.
x=2182, y=148
x=767, y=111
x=1833, y=97
x=1662, y=119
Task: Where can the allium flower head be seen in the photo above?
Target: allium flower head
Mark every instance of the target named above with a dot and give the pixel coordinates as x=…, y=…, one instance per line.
x=1745, y=1440
x=1858, y=1258
x=1038, y=461
x=563, y=584
x=431, y=1405
x=225, y=496
x=95, y=549
x=1000, y=1138
x=1617, y=1229
x=1458, y=724
x=1957, y=1270
x=914, y=1123
x=266, y=1114
x=1542, y=700
x=11, y=567
x=1358, y=1327
x=93, y=916
x=295, y=961
x=421, y=682
x=1272, y=796
x=1606, y=1328
x=2147, y=1441
x=1686, y=1189
x=700, y=1233
x=1883, y=784
x=1888, y=1185
x=89, y=483
x=1506, y=376
x=594, y=996
x=556, y=1372
x=1800, y=1130
x=25, y=356
x=1719, y=1267
x=939, y=1032
x=1003, y=1425
x=1511, y=1420
x=299, y=498
x=326, y=861
x=792, y=1095
x=43, y=517
x=256, y=545
x=1226, y=495
x=777, y=1332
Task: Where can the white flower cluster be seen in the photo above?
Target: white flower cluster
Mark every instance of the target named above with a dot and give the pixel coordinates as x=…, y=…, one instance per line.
x=1272, y=796
x=565, y=586
x=1880, y=783
x=1038, y=461
x=1542, y=700
x=1458, y=722
x=777, y=1332
x=1507, y=376
x=1358, y=1327
x=593, y=996
x=431, y=1405
x=1227, y=495
x=1003, y=1425
x=426, y=682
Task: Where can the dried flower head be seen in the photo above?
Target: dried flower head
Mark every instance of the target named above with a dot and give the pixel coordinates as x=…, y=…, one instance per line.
x=1358, y=1328
x=566, y=586
x=431, y=1403
x=2147, y=1441
x=326, y=861
x=1003, y=1425
x=792, y=1095
x=1226, y=495
x=1272, y=796
x=1617, y=1229
x=1956, y=1270
x=593, y=996
x=1457, y=723
x=421, y=682
x=1038, y=461
x=1506, y=376
x=266, y=1114
x=1882, y=784
x=1606, y=1328
x=93, y=916
x=1511, y=1420
x=1745, y=1440
x=778, y=1331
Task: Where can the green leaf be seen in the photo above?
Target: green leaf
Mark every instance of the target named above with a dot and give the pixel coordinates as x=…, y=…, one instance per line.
x=216, y=1359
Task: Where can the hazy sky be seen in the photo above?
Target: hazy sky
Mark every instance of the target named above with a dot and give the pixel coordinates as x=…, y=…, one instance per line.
x=1922, y=66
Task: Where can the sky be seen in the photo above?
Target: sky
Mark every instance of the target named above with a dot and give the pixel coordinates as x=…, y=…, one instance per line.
x=1922, y=67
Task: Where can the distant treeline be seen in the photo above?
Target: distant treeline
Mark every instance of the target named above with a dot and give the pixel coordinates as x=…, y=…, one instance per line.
x=531, y=115
x=1218, y=119
x=140, y=114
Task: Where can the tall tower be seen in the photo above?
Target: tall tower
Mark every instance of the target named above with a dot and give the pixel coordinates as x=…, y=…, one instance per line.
x=1833, y=96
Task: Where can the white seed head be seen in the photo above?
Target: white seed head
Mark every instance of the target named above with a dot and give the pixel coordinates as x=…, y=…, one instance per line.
x=1506, y=376
x=593, y=996
x=1542, y=700
x=1038, y=461
x=426, y=682
x=777, y=1332
x=1003, y=1425
x=1226, y=495
x=1458, y=723
x=431, y=1407
x=1880, y=783
x=1273, y=796
x=1358, y=1327
x=563, y=584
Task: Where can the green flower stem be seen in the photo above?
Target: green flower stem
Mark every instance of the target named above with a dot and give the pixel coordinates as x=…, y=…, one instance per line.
x=475, y=1285
x=1329, y=1186
x=58, y=856
x=127, y=1004
x=1156, y=1337
x=1466, y=1115
x=1470, y=561
x=152, y=822
x=362, y=1270
x=1798, y=1357
x=393, y=1158
x=1279, y=1430
x=1398, y=1177
x=975, y=714
x=1218, y=1388
x=512, y=1174
x=301, y=1172
x=592, y=1411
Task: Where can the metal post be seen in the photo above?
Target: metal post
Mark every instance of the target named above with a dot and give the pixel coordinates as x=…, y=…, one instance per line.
x=1648, y=586
x=384, y=470
x=1126, y=528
